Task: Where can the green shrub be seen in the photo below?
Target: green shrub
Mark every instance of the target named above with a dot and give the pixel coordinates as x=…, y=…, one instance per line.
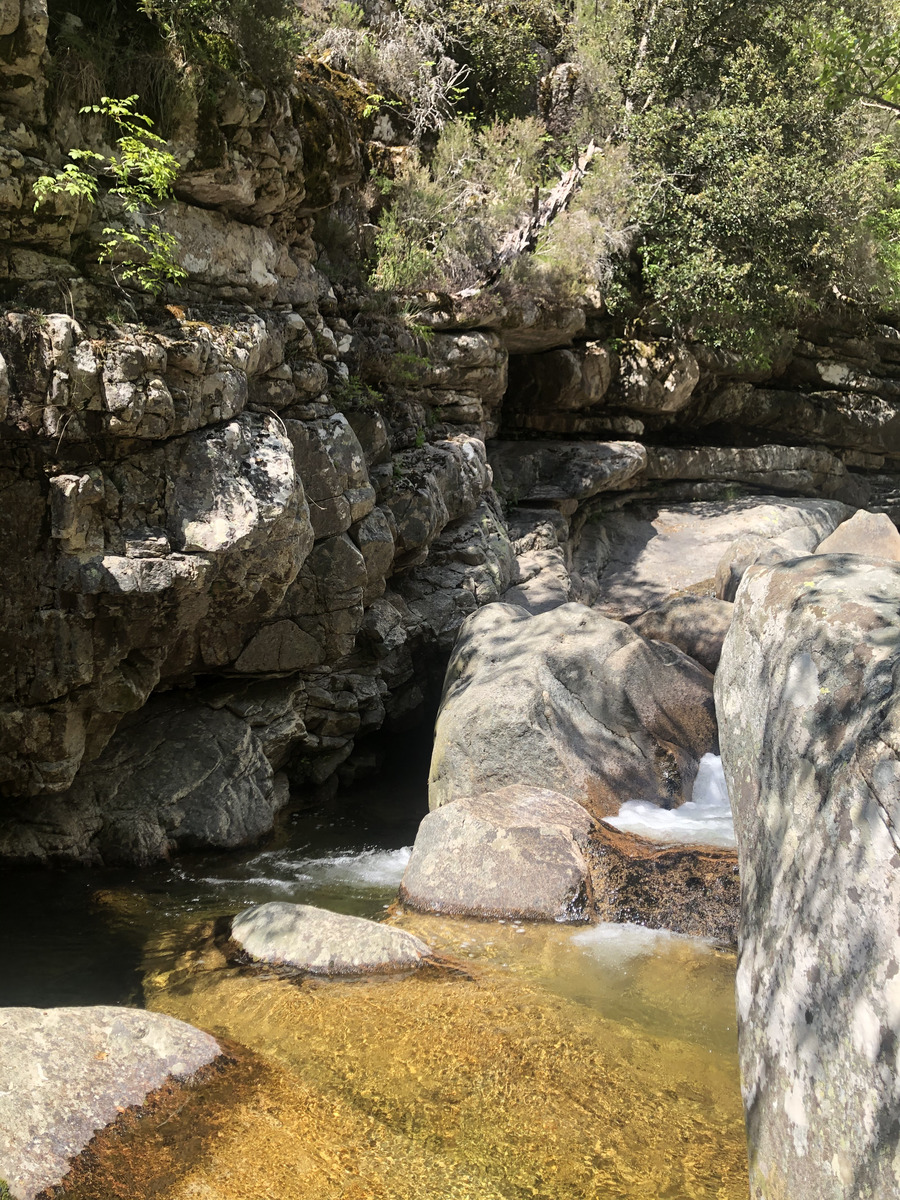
x=260, y=38
x=444, y=223
x=745, y=224
x=500, y=44
x=141, y=174
x=579, y=251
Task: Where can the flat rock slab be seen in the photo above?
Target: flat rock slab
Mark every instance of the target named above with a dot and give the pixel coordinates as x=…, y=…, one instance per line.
x=66, y=1073
x=517, y=852
x=559, y=471
x=325, y=943
x=656, y=553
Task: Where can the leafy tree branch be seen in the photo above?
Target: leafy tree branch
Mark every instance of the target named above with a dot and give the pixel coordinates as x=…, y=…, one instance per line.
x=141, y=176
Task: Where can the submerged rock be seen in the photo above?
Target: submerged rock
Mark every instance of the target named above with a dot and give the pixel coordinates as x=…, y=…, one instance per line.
x=517, y=852
x=807, y=699
x=325, y=943
x=572, y=701
x=66, y=1073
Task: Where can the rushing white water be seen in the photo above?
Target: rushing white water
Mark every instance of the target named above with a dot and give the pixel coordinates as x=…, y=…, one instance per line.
x=284, y=870
x=704, y=820
x=380, y=868
x=616, y=944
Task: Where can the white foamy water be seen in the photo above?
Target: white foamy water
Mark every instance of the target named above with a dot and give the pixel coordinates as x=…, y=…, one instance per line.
x=617, y=944
x=381, y=868
x=284, y=870
x=704, y=820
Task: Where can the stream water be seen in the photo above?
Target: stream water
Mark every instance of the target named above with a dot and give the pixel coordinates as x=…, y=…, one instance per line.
x=569, y=1063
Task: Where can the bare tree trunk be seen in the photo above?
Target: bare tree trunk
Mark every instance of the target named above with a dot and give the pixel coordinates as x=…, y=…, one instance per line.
x=523, y=240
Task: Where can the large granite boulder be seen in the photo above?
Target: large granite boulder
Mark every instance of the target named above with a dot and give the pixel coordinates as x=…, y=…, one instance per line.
x=761, y=550
x=66, y=1073
x=571, y=701
x=324, y=943
x=695, y=624
x=519, y=852
x=871, y=534
x=806, y=693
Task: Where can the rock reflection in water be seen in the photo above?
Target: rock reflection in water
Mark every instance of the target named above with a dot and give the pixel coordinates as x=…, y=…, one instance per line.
x=479, y=1084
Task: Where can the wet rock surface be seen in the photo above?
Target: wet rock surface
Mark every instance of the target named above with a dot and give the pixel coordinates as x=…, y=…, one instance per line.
x=526, y=853
x=806, y=695
x=66, y=1073
x=571, y=701
x=692, y=890
x=324, y=943
x=518, y=852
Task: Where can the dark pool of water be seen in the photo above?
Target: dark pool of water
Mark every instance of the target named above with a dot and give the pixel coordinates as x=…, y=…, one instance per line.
x=77, y=936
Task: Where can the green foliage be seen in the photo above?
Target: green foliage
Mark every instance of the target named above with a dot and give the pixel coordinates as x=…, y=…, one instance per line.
x=142, y=174
x=107, y=47
x=500, y=46
x=875, y=179
x=355, y=393
x=348, y=15
x=858, y=55
x=737, y=202
x=5, y=1193
x=375, y=102
x=445, y=222
x=578, y=252
x=739, y=158
x=256, y=37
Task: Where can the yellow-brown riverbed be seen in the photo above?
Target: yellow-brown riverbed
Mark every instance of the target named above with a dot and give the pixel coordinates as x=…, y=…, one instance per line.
x=545, y=1061
x=492, y=1079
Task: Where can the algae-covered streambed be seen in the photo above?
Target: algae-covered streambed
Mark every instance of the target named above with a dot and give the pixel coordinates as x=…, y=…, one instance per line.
x=539, y=1061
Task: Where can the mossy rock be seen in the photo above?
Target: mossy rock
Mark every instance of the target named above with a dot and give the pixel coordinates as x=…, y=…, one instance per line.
x=328, y=110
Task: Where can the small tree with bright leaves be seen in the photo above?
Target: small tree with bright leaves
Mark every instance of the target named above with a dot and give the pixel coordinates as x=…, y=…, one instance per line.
x=142, y=174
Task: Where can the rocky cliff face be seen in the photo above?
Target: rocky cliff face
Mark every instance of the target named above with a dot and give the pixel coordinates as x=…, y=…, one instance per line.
x=241, y=531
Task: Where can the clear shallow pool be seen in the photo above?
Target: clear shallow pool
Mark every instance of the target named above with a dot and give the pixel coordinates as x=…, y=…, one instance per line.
x=540, y=1061
x=568, y=1063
